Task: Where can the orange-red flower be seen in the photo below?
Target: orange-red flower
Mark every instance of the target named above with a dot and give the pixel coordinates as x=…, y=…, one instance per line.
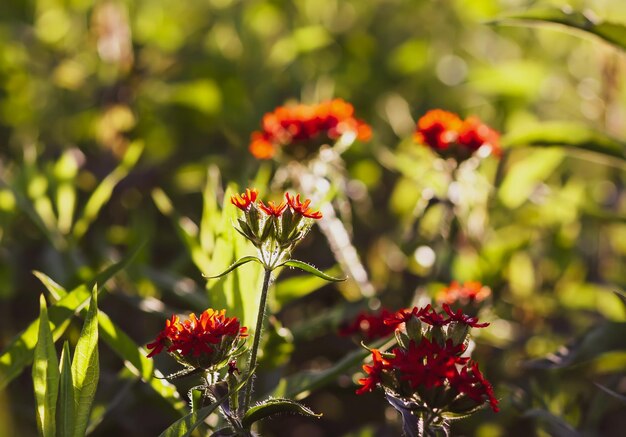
x=273, y=209
x=441, y=130
x=373, y=371
x=469, y=292
x=244, y=200
x=303, y=123
x=302, y=208
x=202, y=342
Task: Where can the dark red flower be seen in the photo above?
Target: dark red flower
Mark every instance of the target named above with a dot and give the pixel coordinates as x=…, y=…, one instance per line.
x=302, y=123
x=472, y=383
x=302, y=208
x=244, y=200
x=404, y=315
x=462, y=318
x=373, y=371
x=369, y=326
x=273, y=210
x=430, y=316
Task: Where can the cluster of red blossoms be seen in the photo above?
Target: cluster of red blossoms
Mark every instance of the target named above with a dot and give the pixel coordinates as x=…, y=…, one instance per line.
x=300, y=124
x=448, y=135
x=428, y=366
x=203, y=341
x=466, y=293
x=243, y=201
x=370, y=326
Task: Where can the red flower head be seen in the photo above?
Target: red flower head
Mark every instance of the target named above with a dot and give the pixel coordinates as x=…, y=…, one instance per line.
x=474, y=134
x=302, y=208
x=437, y=129
x=200, y=342
x=244, y=200
x=373, y=371
x=469, y=292
x=473, y=384
x=272, y=209
x=459, y=317
x=430, y=316
x=302, y=123
x=369, y=326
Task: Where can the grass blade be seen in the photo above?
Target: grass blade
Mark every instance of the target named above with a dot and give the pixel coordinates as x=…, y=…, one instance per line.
x=65, y=412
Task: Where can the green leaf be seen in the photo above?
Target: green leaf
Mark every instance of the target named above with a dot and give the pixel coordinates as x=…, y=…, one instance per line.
x=606, y=337
x=310, y=269
x=558, y=427
x=19, y=353
x=45, y=375
x=102, y=193
x=290, y=289
x=65, y=412
x=565, y=134
x=239, y=262
x=621, y=296
x=613, y=33
x=85, y=368
x=271, y=407
x=56, y=291
x=618, y=396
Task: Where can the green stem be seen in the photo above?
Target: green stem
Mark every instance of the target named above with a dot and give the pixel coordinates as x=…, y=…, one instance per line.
x=257, y=337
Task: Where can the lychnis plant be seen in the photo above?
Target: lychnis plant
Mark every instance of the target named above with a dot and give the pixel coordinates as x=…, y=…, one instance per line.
x=212, y=343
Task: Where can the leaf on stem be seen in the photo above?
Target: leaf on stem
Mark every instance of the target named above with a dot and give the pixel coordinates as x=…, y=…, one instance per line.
x=65, y=413
x=271, y=407
x=238, y=263
x=310, y=269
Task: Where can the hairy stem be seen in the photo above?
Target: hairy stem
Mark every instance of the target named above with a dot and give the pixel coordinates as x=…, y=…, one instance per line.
x=257, y=337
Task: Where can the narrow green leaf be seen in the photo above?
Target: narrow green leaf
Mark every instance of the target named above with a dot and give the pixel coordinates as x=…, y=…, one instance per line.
x=103, y=191
x=565, y=134
x=45, y=375
x=19, y=353
x=613, y=33
x=85, y=368
x=272, y=407
x=558, y=427
x=65, y=412
x=238, y=263
x=56, y=291
x=614, y=394
x=310, y=269
x=621, y=296
x=290, y=289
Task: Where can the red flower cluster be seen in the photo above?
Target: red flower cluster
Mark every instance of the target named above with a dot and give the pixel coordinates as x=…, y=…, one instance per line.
x=243, y=201
x=469, y=292
x=440, y=130
x=430, y=365
x=431, y=317
x=210, y=337
x=302, y=123
x=369, y=326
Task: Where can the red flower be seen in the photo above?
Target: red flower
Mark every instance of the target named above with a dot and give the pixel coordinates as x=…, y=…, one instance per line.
x=474, y=134
x=437, y=129
x=244, y=200
x=428, y=363
x=472, y=383
x=370, y=326
x=374, y=372
x=203, y=341
x=302, y=123
x=302, y=208
x=430, y=316
x=404, y=315
x=459, y=317
x=470, y=291
x=272, y=209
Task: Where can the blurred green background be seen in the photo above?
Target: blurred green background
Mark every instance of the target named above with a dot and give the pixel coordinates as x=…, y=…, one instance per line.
x=150, y=94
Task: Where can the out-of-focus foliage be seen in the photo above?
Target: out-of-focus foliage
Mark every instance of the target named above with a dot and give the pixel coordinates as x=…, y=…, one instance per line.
x=115, y=116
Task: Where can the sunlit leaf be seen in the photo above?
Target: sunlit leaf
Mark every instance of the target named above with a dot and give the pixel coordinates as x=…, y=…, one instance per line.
x=238, y=263
x=86, y=368
x=310, y=269
x=45, y=375
x=65, y=412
